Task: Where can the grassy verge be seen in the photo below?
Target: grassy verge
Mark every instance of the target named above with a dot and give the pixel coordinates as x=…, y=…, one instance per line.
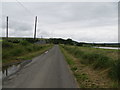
x=89, y=62
x=14, y=52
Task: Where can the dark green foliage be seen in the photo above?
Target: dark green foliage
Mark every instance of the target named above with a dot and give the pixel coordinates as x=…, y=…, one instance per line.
x=102, y=62
x=24, y=43
x=89, y=58
x=74, y=68
x=97, y=59
x=31, y=40
x=37, y=47
x=29, y=48
x=6, y=44
x=62, y=41
x=17, y=51
x=13, y=40
x=115, y=71
x=82, y=76
x=5, y=54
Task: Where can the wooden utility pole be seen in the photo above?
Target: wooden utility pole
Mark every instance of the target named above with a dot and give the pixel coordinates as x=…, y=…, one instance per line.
x=35, y=27
x=7, y=29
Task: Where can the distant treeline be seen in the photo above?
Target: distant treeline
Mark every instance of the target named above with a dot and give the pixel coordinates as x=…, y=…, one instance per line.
x=99, y=44
x=62, y=41
x=72, y=42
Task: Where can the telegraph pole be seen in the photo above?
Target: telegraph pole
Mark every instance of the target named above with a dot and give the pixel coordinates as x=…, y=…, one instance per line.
x=35, y=27
x=7, y=28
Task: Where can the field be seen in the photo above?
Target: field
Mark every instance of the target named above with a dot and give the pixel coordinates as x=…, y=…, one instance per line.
x=18, y=50
x=92, y=67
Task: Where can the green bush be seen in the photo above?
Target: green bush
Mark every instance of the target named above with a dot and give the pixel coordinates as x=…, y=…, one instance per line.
x=6, y=44
x=24, y=43
x=89, y=58
x=99, y=60
x=115, y=71
x=29, y=48
x=37, y=47
x=103, y=62
x=81, y=76
x=17, y=51
x=74, y=68
x=6, y=54
x=15, y=41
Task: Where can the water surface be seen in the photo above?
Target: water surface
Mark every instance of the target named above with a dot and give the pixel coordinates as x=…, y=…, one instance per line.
x=108, y=47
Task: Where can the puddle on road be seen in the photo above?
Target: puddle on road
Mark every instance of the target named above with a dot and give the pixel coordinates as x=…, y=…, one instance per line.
x=8, y=70
x=11, y=69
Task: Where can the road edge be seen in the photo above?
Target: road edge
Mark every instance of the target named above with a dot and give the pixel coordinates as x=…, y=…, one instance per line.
x=77, y=85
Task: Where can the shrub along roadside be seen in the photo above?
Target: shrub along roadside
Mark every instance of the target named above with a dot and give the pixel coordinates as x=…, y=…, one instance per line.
x=12, y=52
x=97, y=60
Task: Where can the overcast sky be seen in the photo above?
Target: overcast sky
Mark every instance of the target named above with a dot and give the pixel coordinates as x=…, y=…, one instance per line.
x=80, y=21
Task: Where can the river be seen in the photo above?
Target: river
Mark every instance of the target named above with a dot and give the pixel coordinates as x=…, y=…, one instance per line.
x=108, y=47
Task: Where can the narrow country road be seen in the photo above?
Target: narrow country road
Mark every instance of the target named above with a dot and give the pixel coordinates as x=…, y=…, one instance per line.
x=48, y=70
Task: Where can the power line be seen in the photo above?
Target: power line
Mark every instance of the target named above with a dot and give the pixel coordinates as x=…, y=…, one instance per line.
x=25, y=8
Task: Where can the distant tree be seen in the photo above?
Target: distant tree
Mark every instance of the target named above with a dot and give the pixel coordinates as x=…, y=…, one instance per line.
x=69, y=41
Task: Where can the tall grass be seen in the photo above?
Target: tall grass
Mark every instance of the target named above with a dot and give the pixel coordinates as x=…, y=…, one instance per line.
x=97, y=59
x=12, y=50
x=115, y=71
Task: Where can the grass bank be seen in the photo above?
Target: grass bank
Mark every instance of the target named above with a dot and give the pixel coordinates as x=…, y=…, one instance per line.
x=24, y=50
x=93, y=67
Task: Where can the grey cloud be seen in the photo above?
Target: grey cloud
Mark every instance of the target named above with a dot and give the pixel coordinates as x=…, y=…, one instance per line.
x=17, y=25
x=62, y=19
x=21, y=26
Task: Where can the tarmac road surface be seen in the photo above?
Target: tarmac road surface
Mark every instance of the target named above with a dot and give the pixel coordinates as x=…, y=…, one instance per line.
x=48, y=70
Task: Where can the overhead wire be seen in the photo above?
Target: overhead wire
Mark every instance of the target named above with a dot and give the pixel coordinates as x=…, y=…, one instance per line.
x=25, y=8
